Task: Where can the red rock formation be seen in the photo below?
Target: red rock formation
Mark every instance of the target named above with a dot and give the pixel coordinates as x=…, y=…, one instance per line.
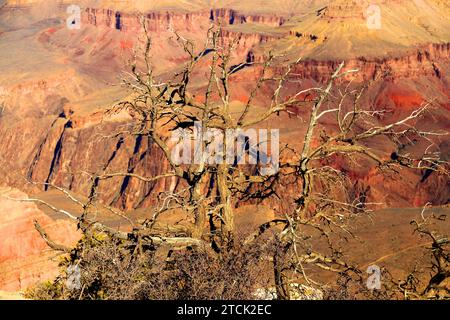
x=52, y=127
x=160, y=20
x=417, y=63
x=24, y=257
x=230, y=16
x=51, y=143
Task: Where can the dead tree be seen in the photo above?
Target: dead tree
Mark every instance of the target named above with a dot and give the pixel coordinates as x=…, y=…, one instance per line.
x=208, y=191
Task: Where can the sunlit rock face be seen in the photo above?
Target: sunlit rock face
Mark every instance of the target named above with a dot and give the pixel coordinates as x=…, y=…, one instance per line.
x=55, y=85
x=54, y=102
x=25, y=258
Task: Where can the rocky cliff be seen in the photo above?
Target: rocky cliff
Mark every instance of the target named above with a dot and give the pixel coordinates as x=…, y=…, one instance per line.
x=431, y=60
x=54, y=136
x=160, y=20
x=56, y=84
x=24, y=256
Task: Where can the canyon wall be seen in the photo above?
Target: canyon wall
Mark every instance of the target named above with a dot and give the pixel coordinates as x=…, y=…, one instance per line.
x=53, y=143
x=49, y=136
x=63, y=148
x=160, y=20
x=25, y=258
x=430, y=60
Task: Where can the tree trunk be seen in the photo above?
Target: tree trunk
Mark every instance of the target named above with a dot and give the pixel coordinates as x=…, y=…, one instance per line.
x=280, y=286
x=200, y=211
x=227, y=214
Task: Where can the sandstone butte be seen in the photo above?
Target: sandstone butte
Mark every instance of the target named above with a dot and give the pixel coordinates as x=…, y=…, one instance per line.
x=55, y=84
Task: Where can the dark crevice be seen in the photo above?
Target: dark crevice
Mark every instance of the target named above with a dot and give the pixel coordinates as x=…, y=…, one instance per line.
x=57, y=155
x=427, y=174
x=72, y=179
x=131, y=167
x=114, y=153
x=37, y=156
x=118, y=21
x=321, y=10
x=248, y=62
x=437, y=72
x=232, y=17
x=148, y=187
x=203, y=53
